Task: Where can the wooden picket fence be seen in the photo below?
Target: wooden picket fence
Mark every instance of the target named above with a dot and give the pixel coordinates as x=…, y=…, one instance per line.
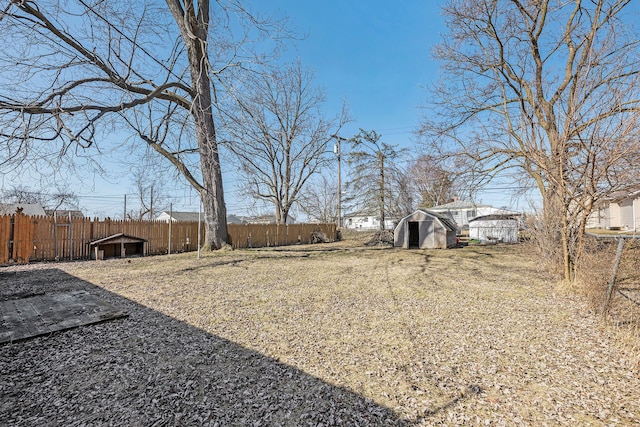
x=47, y=238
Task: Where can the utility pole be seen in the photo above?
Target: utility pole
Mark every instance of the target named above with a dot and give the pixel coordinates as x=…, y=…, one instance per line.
x=336, y=150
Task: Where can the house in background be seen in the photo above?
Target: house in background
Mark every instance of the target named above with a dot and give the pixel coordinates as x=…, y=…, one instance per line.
x=619, y=211
x=176, y=216
x=599, y=217
x=65, y=213
x=425, y=230
x=28, y=209
x=234, y=219
x=462, y=211
x=366, y=222
x=624, y=211
x=193, y=217
x=266, y=219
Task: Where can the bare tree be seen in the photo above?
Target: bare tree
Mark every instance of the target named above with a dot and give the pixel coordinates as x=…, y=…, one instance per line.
x=432, y=183
x=400, y=195
x=280, y=136
x=319, y=199
x=373, y=164
x=49, y=199
x=550, y=88
x=151, y=195
x=74, y=72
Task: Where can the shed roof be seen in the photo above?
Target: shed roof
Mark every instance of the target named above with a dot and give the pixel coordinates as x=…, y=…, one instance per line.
x=445, y=220
x=117, y=238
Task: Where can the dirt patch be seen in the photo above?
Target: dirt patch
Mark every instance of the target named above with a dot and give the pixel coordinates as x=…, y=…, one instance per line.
x=332, y=333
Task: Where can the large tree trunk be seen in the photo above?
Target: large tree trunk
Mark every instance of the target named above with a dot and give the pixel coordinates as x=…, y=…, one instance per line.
x=381, y=165
x=215, y=212
x=193, y=22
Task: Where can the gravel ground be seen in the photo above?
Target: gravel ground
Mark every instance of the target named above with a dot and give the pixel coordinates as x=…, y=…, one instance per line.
x=318, y=335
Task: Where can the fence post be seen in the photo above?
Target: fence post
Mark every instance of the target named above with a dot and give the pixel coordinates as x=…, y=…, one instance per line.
x=55, y=235
x=616, y=265
x=170, y=221
x=70, y=238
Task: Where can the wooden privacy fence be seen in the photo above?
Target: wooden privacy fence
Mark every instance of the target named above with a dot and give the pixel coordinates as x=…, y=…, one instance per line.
x=47, y=238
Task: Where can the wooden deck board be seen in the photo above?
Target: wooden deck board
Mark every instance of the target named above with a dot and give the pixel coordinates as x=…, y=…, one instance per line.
x=43, y=314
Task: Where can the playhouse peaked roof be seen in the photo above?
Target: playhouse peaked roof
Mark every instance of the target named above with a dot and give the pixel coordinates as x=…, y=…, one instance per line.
x=117, y=238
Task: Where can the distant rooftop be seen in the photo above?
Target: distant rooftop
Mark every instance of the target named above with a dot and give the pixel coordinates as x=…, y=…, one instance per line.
x=181, y=216
x=28, y=209
x=193, y=217
x=458, y=204
x=61, y=213
x=620, y=195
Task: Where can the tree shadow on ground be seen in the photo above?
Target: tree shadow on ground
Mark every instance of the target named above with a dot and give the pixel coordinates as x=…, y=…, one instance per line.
x=151, y=369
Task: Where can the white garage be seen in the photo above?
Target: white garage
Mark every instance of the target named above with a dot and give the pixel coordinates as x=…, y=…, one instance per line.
x=494, y=229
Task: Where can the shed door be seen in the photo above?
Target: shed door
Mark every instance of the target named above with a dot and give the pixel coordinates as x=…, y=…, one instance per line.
x=414, y=234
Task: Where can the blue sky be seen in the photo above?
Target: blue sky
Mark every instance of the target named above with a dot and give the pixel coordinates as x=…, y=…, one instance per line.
x=375, y=55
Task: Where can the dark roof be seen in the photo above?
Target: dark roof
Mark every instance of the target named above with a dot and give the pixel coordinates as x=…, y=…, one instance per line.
x=234, y=219
x=117, y=238
x=184, y=216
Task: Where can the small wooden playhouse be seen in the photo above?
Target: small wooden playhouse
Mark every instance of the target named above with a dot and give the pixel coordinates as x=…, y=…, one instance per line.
x=425, y=230
x=117, y=246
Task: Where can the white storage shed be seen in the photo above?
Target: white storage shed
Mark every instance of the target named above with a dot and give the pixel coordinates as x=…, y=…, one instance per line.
x=494, y=228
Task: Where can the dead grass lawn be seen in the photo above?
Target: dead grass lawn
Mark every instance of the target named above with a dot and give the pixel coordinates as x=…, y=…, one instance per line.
x=474, y=336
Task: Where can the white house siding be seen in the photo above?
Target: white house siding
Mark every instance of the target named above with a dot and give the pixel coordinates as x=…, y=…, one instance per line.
x=626, y=214
x=599, y=218
x=624, y=211
x=366, y=223
x=494, y=230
